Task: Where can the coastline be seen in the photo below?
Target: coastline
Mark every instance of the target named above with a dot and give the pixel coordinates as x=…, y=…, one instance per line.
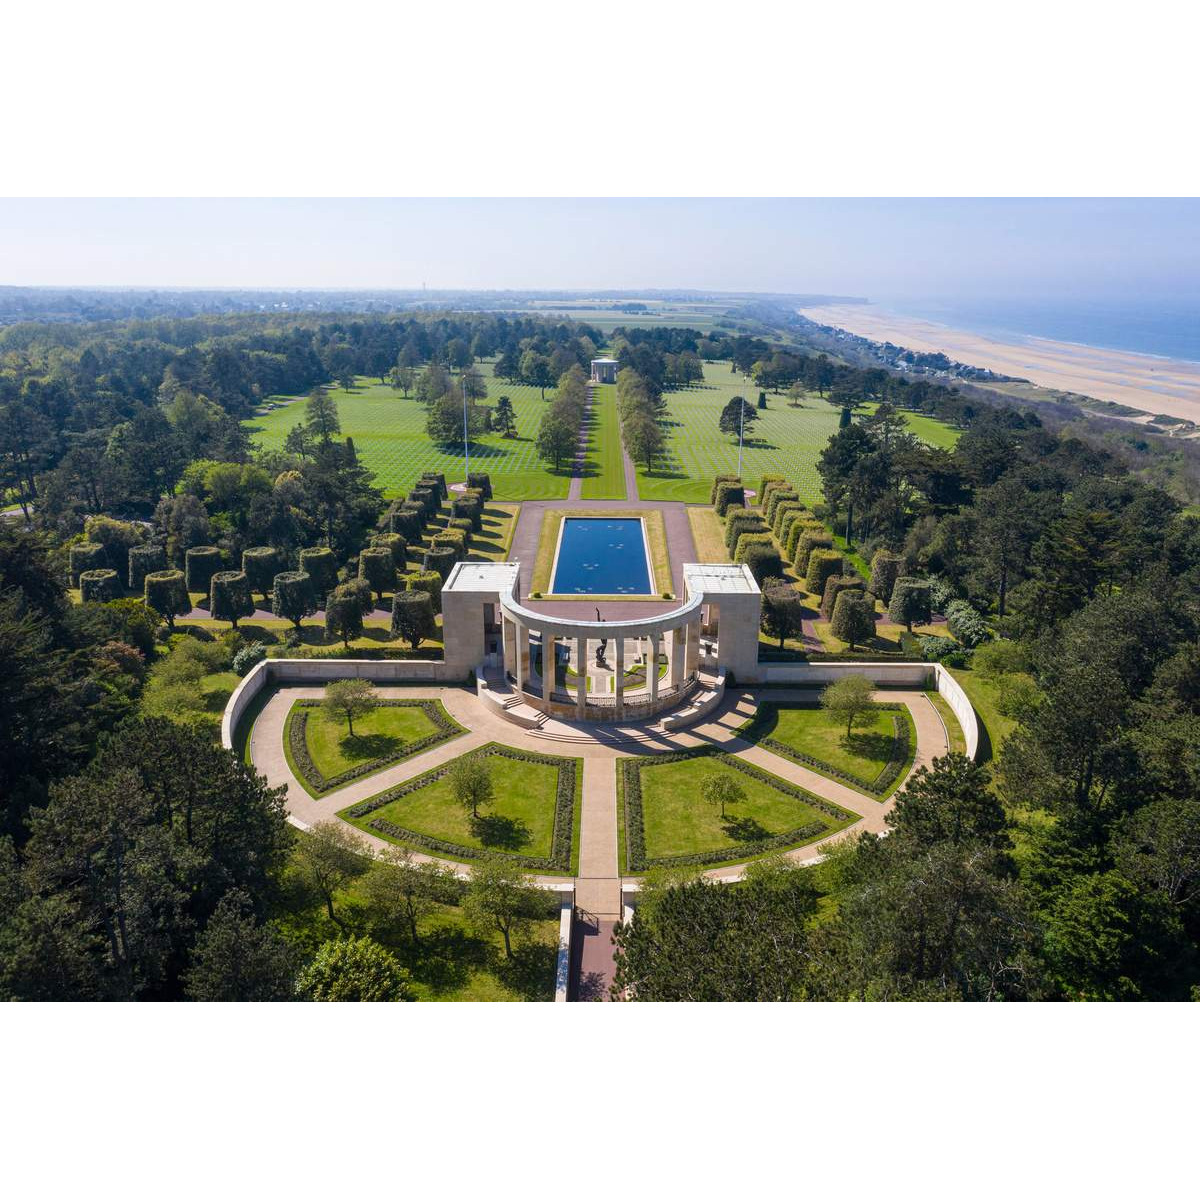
x=1153, y=384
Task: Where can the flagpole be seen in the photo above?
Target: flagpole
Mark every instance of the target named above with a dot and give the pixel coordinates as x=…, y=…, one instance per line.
x=466, y=437
x=741, y=429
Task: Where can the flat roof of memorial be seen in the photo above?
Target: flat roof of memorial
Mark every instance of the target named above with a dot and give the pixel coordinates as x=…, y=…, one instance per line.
x=719, y=577
x=482, y=577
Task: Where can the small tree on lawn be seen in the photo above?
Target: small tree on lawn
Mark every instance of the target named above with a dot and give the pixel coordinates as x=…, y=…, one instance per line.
x=500, y=898
x=399, y=891
x=354, y=970
x=720, y=790
x=849, y=700
x=471, y=783
x=329, y=856
x=346, y=699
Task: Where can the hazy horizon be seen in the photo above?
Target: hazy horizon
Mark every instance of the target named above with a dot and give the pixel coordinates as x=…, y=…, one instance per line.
x=885, y=250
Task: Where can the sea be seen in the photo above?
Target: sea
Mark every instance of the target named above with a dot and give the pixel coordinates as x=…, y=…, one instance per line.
x=1165, y=328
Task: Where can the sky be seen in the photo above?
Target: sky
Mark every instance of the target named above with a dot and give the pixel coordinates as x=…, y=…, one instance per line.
x=875, y=248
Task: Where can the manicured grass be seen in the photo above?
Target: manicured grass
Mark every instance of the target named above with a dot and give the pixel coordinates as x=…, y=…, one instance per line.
x=604, y=469
x=885, y=641
x=389, y=436
x=380, y=734
x=994, y=726
x=958, y=742
x=708, y=532
x=520, y=821
x=783, y=440
x=678, y=821
x=655, y=533
x=808, y=729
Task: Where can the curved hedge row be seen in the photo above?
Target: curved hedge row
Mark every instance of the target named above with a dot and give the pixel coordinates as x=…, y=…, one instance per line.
x=635, y=831
x=564, y=813
x=445, y=729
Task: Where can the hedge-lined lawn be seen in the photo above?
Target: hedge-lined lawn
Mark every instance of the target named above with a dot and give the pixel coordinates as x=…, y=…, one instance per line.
x=807, y=729
x=784, y=440
x=604, y=469
x=389, y=436
x=677, y=820
x=520, y=821
x=708, y=532
x=383, y=733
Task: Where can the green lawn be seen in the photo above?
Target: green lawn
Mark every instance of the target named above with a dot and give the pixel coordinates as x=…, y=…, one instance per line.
x=994, y=727
x=520, y=821
x=383, y=733
x=677, y=821
x=389, y=436
x=604, y=471
x=809, y=731
x=783, y=440
x=958, y=742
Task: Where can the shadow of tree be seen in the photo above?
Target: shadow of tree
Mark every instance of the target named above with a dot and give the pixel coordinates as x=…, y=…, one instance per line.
x=530, y=971
x=502, y=833
x=369, y=745
x=745, y=829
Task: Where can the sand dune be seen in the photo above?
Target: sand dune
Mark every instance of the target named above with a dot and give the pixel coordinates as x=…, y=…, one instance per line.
x=1155, y=385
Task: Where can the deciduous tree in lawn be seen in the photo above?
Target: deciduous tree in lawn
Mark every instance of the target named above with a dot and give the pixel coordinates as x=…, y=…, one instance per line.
x=501, y=899
x=720, y=790
x=471, y=783
x=782, y=613
x=329, y=856
x=849, y=700
x=399, y=890
x=346, y=699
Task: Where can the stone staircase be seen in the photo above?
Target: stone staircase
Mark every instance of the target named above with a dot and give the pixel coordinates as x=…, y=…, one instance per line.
x=499, y=695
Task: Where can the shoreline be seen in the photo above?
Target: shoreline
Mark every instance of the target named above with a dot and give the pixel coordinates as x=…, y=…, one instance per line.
x=1157, y=385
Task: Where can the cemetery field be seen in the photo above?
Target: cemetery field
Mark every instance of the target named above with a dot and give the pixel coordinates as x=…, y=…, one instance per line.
x=389, y=436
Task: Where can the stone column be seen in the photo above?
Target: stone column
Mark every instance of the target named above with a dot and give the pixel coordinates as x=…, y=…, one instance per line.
x=652, y=668
x=581, y=665
x=521, y=642
x=691, y=660
x=620, y=677
x=675, y=658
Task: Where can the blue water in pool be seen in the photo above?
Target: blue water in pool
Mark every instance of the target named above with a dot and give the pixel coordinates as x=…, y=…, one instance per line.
x=601, y=557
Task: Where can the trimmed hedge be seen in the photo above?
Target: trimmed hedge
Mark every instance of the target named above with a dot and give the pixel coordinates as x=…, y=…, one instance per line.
x=261, y=564
x=426, y=581
x=437, y=480
x=754, y=729
x=717, y=481
x=86, y=556
x=406, y=522
x=142, y=561
x=99, y=586
x=764, y=562
x=783, y=510
x=910, y=604
x=822, y=563
x=559, y=859
x=412, y=617
x=166, y=592
x=377, y=568
x=747, y=540
x=200, y=564
x=428, y=498
x=742, y=522
x=853, y=619
x=886, y=568
x=778, y=496
x=635, y=834
x=729, y=494
x=765, y=482
x=440, y=559
x=445, y=728
x=456, y=539
x=833, y=586
x=483, y=481
x=398, y=547
x=469, y=508
x=293, y=597
x=798, y=528
x=809, y=544
x=230, y=599
x=320, y=564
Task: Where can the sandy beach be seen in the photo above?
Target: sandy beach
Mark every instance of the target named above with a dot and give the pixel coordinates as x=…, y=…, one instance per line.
x=1155, y=385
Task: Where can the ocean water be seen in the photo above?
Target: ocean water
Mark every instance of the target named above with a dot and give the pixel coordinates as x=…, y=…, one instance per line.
x=1167, y=328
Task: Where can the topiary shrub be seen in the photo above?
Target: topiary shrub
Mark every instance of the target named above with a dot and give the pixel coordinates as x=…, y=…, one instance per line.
x=378, y=568
x=436, y=480
x=798, y=528
x=766, y=483
x=465, y=524
x=822, y=564
x=344, y=612
x=440, y=559
x=407, y=522
x=910, y=603
x=412, y=617
x=966, y=623
x=453, y=538
x=886, y=568
x=729, y=494
x=739, y=523
x=783, y=509
x=428, y=498
x=835, y=584
x=86, y=556
x=201, y=563
x=483, y=481
x=293, y=597
x=764, y=562
x=750, y=539
x=778, y=496
x=808, y=545
x=166, y=592
x=99, y=586
x=468, y=508
x=247, y=658
x=720, y=479
x=141, y=561
x=229, y=598
x=426, y=581
x=261, y=564
x=853, y=617
x=397, y=545
x=320, y=564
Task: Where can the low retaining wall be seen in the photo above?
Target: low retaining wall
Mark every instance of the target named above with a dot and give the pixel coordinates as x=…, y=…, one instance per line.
x=562, y=969
x=316, y=671
x=912, y=675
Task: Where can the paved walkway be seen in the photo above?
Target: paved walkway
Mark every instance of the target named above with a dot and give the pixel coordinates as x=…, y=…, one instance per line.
x=575, y=491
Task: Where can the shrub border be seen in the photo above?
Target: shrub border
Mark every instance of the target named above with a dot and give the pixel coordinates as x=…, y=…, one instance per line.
x=559, y=859
x=636, y=859
x=317, y=784
x=888, y=773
